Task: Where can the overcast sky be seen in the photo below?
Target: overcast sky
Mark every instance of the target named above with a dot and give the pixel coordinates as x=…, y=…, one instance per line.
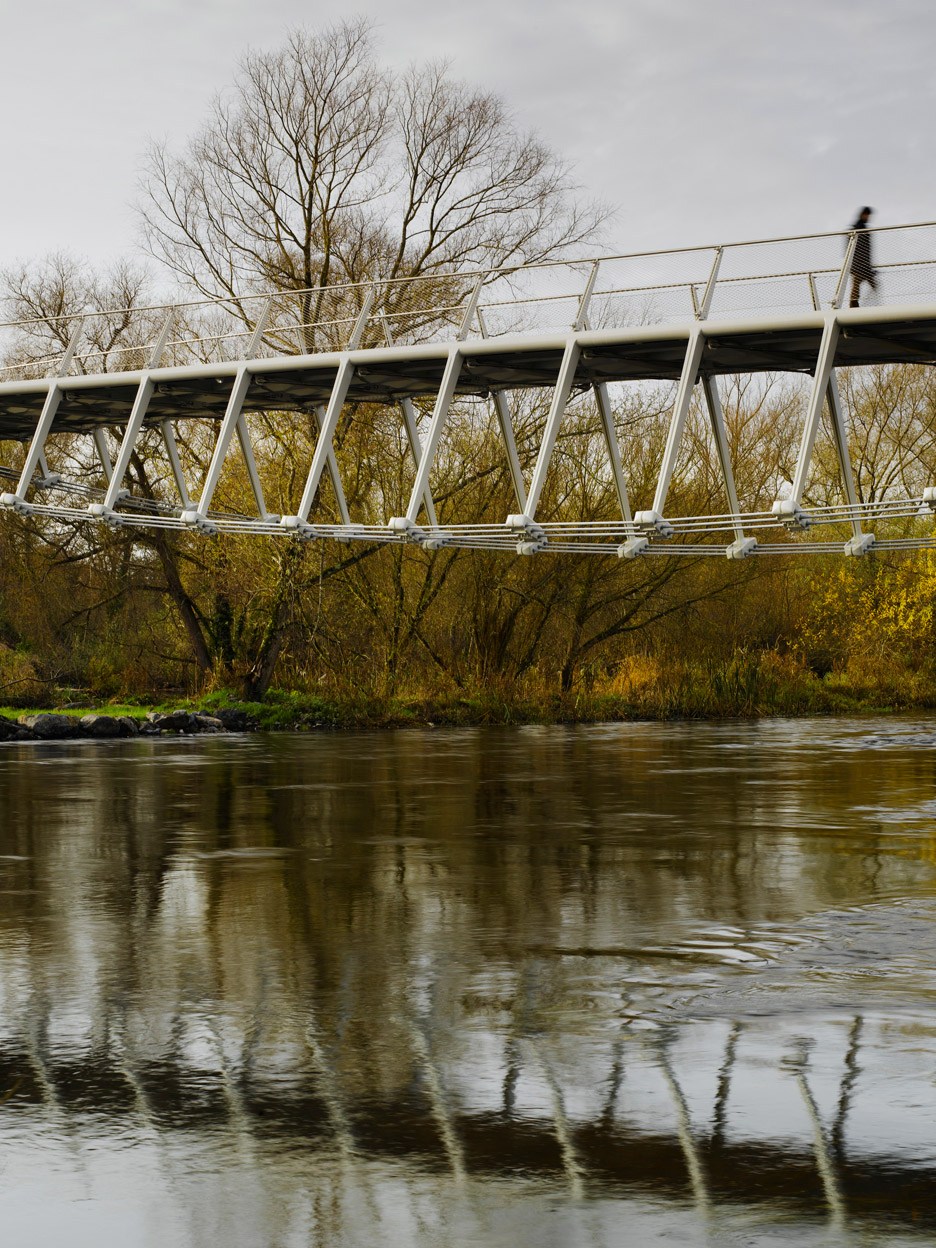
x=699, y=120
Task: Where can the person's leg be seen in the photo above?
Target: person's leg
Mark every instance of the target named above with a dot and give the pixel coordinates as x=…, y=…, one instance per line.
x=856, y=286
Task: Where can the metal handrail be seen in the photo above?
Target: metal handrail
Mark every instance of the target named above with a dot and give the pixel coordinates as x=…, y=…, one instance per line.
x=473, y=281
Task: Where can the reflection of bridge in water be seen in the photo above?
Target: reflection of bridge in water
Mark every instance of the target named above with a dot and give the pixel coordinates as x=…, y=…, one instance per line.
x=208, y=952
x=765, y=1142
x=575, y=330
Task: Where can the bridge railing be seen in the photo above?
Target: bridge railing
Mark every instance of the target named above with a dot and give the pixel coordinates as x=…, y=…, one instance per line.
x=749, y=280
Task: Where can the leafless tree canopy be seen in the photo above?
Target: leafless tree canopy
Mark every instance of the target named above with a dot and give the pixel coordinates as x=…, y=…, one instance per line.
x=321, y=166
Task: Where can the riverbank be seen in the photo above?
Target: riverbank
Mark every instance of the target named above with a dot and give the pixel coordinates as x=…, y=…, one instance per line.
x=743, y=688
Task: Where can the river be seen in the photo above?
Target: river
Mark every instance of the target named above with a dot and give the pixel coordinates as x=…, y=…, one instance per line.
x=614, y=985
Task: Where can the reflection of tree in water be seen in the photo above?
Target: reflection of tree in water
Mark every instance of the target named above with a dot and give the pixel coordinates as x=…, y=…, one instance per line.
x=439, y=956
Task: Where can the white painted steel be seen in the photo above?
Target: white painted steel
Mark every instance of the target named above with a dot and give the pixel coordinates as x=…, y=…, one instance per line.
x=840, y=434
x=505, y=423
x=410, y=425
x=99, y=437
x=509, y=301
x=175, y=464
x=439, y=417
x=253, y=474
x=687, y=381
x=820, y=386
x=131, y=433
x=323, y=446
x=741, y=547
x=560, y=398
x=65, y=362
x=37, y=444
x=606, y=415
x=706, y=302
x=225, y=433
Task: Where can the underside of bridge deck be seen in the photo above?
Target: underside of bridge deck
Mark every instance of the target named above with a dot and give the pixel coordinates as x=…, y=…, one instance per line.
x=387, y=375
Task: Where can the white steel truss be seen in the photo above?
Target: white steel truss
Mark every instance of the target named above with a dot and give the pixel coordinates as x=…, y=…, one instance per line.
x=389, y=343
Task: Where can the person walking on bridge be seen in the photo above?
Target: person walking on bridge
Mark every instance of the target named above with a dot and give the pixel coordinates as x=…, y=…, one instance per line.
x=862, y=269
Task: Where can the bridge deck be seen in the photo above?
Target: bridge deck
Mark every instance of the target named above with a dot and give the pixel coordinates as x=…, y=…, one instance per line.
x=687, y=317
x=388, y=374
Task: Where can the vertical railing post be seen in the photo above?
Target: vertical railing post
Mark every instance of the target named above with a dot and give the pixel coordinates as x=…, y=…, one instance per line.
x=706, y=301
x=581, y=316
x=846, y=270
x=470, y=309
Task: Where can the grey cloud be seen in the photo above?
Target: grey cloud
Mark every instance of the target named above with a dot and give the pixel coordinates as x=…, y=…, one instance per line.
x=701, y=120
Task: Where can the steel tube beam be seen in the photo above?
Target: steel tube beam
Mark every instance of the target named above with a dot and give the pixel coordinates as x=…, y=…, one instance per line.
x=581, y=316
x=410, y=425
x=323, y=446
x=822, y=376
x=505, y=420
x=47, y=475
x=256, y=486
x=103, y=452
x=560, y=398
x=717, y=421
x=687, y=380
x=159, y=346
x=412, y=437
x=71, y=347
x=175, y=463
x=840, y=433
x=132, y=431
x=333, y=473
x=225, y=433
x=470, y=309
x=37, y=444
x=709, y=292
x=439, y=417
x=603, y=400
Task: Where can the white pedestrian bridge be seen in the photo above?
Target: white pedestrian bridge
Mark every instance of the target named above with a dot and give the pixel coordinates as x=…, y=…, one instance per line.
x=573, y=333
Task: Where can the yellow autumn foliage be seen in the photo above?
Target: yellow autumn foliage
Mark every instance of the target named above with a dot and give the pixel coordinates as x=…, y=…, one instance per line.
x=876, y=611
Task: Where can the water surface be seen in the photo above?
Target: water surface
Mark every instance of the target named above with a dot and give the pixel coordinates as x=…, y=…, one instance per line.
x=616, y=985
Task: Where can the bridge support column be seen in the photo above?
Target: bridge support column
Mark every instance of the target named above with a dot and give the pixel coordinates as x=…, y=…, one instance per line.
x=256, y=486
x=333, y=473
x=563, y=389
x=105, y=510
x=407, y=524
x=175, y=463
x=790, y=509
x=199, y=517
x=35, y=456
x=505, y=421
x=603, y=401
x=410, y=424
x=17, y=500
x=825, y=390
x=48, y=478
x=103, y=452
x=324, y=449
x=634, y=544
x=525, y=523
x=742, y=546
x=653, y=520
x=859, y=543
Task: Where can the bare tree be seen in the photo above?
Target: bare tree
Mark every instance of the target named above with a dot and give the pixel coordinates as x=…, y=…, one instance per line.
x=320, y=166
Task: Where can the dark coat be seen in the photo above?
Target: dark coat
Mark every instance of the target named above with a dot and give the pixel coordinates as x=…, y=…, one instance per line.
x=861, y=266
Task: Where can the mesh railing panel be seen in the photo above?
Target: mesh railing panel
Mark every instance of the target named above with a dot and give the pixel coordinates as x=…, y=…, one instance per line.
x=758, y=279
